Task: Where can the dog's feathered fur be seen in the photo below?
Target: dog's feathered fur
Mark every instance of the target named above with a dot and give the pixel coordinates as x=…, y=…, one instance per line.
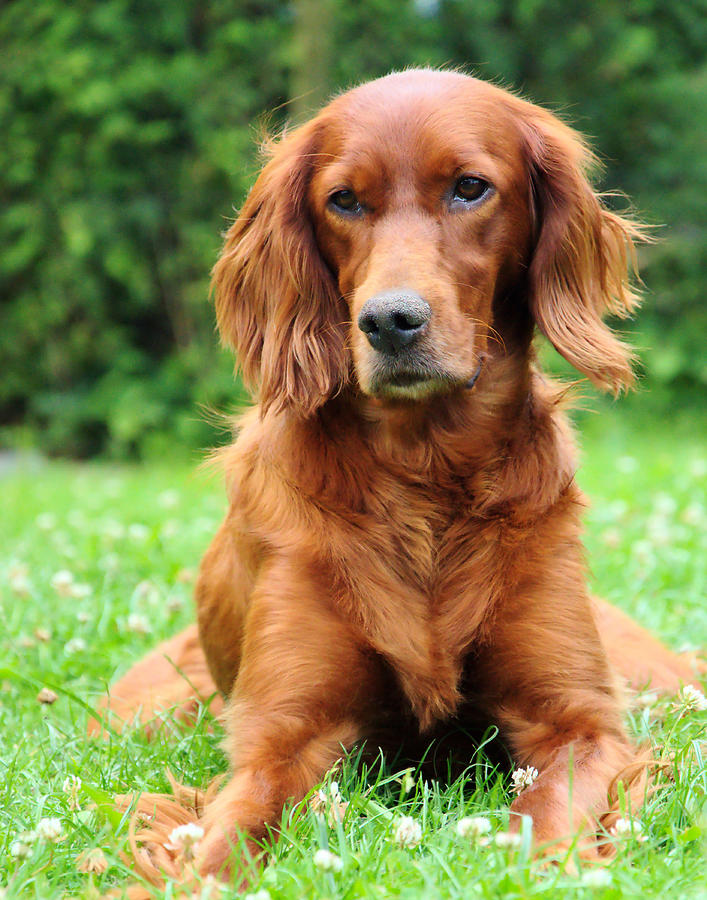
x=397, y=560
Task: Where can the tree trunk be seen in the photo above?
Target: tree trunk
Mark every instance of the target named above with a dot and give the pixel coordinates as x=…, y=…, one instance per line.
x=310, y=81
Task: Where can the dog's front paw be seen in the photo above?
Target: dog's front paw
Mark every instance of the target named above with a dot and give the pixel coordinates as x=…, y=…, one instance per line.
x=229, y=857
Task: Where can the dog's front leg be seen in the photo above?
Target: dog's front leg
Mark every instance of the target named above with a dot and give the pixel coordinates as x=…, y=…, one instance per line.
x=304, y=693
x=551, y=693
x=571, y=792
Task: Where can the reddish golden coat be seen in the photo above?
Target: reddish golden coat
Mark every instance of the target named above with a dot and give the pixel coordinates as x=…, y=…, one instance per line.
x=399, y=558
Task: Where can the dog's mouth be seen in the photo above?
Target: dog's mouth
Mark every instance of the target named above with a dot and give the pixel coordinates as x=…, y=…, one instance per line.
x=475, y=377
x=417, y=383
x=407, y=379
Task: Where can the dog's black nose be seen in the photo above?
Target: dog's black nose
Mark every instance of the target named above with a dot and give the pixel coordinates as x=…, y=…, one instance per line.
x=394, y=319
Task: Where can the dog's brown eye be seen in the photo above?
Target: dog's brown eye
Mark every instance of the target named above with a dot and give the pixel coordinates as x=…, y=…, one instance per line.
x=469, y=188
x=346, y=201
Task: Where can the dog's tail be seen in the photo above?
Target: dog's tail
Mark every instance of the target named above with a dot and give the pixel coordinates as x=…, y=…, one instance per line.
x=173, y=681
x=640, y=660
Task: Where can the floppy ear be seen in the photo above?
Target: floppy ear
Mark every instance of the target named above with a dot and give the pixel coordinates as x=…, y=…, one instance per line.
x=580, y=266
x=276, y=302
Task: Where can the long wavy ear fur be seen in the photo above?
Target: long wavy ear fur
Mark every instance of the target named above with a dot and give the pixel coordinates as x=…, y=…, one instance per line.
x=583, y=256
x=276, y=302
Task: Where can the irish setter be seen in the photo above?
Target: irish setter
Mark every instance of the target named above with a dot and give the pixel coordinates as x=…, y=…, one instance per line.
x=402, y=550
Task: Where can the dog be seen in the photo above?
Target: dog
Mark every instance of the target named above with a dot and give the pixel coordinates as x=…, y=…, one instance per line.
x=402, y=549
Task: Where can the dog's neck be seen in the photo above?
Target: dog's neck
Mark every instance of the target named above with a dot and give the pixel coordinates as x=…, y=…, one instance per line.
x=493, y=440
x=467, y=424
x=505, y=443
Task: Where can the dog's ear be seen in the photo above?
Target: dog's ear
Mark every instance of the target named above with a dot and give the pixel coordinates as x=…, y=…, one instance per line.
x=276, y=301
x=583, y=256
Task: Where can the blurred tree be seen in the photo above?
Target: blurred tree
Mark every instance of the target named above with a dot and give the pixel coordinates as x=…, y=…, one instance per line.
x=128, y=136
x=311, y=79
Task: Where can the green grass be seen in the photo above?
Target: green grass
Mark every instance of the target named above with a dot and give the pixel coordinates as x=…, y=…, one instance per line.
x=134, y=535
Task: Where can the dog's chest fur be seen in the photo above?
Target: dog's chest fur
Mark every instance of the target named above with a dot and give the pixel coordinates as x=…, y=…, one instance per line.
x=416, y=559
x=426, y=575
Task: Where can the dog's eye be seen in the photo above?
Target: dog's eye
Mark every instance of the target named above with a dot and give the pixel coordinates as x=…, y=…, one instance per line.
x=470, y=188
x=345, y=201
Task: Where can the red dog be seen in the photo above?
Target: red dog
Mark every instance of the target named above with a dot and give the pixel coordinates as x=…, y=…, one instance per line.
x=402, y=548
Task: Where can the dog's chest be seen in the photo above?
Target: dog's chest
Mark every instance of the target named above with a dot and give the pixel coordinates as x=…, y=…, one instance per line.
x=427, y=579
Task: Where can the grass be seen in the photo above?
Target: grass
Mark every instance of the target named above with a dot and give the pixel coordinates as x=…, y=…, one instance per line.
x=131, y=538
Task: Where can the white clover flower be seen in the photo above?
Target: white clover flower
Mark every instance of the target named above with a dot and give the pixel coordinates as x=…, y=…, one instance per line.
x=615, y=510
x=211, y=888
x=643, y=551
x=689, y=699
x=72, y=789
x=138, y=624
x=18, y=577
x=327, y=861
x=20, y=850
x=473, y=827
x=596, y=878
x=611, y=537
x=22, y=847
x=112, y=530
x=74, y=645
x=49, y=829
x=83, y=617
x=659, y=531
x=184, y=840
x=664, y=504
x=17, y=569
x=408, y=832
x=110, y=562
x=507, y=840
x=138, y=532
x=330, y=802
x=523, y=778
x=262, y=894
x=170, y=529
x=46, y=521
x=627, y=828
x=81, y=591
x=693, y=514
x=626, y=464
x=63, y=582
x=174, y=603
x=407, y=782
x=698, y=468
x=146, y=592
x=168, y=499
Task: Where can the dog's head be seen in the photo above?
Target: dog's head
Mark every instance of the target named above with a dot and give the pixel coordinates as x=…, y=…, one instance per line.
x=393, y=237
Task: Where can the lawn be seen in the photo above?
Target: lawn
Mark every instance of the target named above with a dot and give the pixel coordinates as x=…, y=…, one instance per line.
x=97, y=563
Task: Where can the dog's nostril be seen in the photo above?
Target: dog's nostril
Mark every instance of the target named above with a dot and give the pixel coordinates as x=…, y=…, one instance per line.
x=368, y=324
x=406, y=321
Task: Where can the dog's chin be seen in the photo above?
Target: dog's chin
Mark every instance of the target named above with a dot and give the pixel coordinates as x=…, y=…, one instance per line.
x=413, y=384
x=414, y=390
x=410, y=385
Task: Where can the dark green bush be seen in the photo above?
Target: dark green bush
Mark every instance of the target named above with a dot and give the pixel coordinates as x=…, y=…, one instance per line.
x=129, y=135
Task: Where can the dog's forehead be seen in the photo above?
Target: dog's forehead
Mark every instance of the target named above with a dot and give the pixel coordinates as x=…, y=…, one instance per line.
x=422, y=115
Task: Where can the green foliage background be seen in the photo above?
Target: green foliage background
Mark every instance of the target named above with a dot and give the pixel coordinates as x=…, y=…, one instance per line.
x=129, y=133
